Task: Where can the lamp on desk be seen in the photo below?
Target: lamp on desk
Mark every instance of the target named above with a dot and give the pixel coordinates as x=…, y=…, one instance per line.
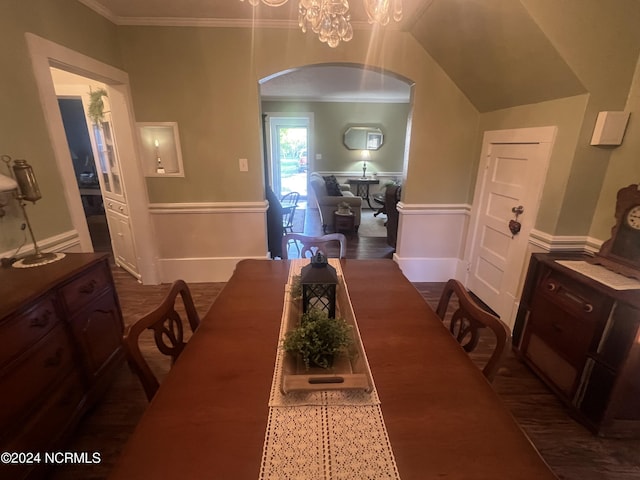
x=24, y=185
x=365, y=155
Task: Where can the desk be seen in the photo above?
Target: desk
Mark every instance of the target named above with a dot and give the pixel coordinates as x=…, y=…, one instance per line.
x=362, y=187
x=208, y=419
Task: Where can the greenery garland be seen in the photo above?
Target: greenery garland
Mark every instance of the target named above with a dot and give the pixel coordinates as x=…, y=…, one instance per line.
x=96, y=105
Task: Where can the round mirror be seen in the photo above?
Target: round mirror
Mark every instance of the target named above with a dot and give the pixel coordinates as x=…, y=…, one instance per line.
x=363, y=138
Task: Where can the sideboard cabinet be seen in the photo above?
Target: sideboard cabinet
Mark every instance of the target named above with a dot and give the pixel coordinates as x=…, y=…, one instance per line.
x=582, y=338
x=60, y=329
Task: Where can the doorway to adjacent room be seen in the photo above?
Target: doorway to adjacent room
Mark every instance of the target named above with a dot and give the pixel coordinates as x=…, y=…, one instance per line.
x=288, y=151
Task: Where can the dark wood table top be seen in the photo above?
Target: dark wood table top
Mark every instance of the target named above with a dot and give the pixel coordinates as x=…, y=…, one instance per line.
x=444, y=420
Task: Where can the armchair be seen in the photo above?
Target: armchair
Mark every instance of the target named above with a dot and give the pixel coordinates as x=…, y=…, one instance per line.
x=327, y=204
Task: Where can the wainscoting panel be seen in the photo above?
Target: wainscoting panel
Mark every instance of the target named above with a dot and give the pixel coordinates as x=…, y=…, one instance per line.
x=431, y=240
x=202, y=242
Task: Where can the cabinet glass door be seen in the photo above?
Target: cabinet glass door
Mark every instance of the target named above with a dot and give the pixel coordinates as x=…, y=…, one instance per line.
x=108, y=161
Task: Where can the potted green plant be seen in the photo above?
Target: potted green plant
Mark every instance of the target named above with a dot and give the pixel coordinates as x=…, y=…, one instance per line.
x=318, y=339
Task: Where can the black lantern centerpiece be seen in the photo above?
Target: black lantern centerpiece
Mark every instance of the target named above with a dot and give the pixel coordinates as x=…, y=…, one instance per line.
x=319, y=281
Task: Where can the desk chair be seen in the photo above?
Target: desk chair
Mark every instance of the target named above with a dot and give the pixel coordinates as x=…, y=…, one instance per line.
x=312, y=245
x=466, y=322
x=168, y=333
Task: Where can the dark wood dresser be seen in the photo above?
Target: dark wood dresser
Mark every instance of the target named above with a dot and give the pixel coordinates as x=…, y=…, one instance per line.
x=583, y=339
x=60, y=332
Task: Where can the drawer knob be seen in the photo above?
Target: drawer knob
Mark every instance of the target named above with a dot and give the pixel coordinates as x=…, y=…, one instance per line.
x=551, y=286
x=588, y=307
x=88, y=287
x=41, y=321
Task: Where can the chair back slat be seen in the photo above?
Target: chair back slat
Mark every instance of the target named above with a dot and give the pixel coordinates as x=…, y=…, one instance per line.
x=467, y=322
x=310, y=245
x=168, y=333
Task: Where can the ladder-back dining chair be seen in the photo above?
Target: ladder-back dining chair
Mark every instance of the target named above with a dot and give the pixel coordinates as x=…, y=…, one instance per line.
x=311, y=245
x=468, y=319
x=168, y=333
x=289, y=203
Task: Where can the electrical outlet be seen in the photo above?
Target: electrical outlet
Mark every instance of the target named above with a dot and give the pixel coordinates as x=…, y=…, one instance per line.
x=244, y=164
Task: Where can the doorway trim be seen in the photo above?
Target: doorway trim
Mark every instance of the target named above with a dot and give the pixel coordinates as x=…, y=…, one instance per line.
x=543, y=136
x=45, y=54
x=289, y=119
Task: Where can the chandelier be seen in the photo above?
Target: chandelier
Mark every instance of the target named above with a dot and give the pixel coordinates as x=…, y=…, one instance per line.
x=331, y=20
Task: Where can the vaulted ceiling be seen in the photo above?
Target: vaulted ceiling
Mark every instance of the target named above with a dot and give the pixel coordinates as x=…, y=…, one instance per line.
x=494, y=50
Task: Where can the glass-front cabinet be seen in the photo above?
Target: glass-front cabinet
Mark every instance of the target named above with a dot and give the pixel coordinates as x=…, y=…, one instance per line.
x=109, y=166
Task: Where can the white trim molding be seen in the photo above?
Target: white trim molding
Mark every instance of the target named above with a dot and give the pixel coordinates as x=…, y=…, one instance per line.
x=564, y=243
x=199, y=270
x=208, y=207
x=68, y=241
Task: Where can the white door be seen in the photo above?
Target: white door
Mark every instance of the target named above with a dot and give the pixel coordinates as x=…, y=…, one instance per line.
x=511, y=175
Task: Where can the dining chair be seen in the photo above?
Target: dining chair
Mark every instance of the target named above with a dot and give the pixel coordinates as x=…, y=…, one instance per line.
x=466, y=321
x=289, y=203
x=168, y=333
x=311, y=245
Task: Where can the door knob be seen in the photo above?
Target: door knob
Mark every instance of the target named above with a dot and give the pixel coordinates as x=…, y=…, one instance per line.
x=515, y=225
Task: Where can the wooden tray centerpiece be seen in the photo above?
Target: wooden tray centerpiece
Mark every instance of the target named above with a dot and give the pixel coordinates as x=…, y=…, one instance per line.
x=349, y=370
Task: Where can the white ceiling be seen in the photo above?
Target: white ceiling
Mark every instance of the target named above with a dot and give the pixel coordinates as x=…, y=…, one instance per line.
x=336, y=84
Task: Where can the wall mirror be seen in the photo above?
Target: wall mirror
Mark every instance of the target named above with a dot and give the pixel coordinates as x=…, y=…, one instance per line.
x=363, y=138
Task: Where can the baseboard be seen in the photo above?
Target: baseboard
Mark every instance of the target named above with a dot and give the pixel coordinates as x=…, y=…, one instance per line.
x=428, y=269
x=199, y=270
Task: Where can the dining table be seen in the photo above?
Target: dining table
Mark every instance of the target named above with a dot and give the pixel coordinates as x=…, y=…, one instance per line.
x=442, y=418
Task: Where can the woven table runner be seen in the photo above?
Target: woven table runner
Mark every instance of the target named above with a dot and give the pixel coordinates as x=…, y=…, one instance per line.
x=338, y=434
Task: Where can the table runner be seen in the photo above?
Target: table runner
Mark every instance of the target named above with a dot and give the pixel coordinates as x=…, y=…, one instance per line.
x=324, y=435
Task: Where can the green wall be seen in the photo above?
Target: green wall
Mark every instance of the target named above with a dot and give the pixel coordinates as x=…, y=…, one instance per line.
x=566, y=114
x=206, y=79
x=23, y=133
x=331, y=119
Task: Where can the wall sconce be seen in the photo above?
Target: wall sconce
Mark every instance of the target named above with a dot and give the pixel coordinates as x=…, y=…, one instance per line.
x=24, y=185
x=365, y=155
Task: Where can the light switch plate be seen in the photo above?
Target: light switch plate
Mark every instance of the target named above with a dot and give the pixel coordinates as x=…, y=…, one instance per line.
x=244, y=164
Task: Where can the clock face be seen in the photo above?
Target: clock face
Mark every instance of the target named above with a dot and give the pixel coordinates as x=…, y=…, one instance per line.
x=633, y=217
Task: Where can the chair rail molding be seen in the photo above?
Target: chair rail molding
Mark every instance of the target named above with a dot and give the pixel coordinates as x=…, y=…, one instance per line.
x=564, y=243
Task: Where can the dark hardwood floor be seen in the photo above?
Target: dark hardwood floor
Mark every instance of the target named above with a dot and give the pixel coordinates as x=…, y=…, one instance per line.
x=571, y=451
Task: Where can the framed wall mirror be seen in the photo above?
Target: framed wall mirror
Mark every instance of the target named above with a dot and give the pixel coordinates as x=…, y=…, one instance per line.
x=363, y=138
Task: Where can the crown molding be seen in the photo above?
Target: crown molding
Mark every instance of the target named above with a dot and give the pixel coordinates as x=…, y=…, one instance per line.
x=197, y=22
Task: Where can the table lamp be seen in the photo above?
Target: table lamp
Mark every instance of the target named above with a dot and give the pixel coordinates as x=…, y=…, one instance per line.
x=25, y=187
x=365, y=156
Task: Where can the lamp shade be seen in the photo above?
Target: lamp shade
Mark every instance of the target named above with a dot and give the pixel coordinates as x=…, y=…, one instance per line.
x=7, y=184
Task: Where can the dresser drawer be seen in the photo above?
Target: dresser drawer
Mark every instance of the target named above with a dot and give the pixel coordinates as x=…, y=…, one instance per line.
x=60, y=413
x=570, y=336
x=579, y=299
x=26, y=327
x=85, y=288
x=25, y=383
x=117, y=207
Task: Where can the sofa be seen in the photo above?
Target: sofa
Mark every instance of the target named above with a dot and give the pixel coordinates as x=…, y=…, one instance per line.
x=327, y=204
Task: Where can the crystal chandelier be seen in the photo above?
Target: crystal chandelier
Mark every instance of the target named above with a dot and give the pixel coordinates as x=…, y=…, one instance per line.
x=331, y=20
